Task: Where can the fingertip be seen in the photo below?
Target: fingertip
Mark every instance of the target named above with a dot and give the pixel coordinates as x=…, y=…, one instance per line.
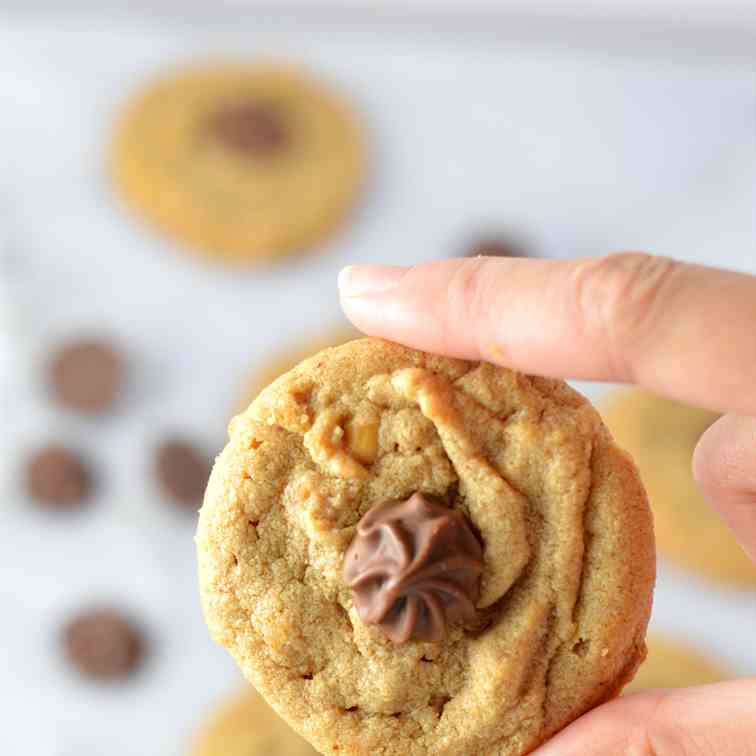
x=702, y=458
x=343, y=281
x=722, y=457
x=363, y=280
x=609, y=729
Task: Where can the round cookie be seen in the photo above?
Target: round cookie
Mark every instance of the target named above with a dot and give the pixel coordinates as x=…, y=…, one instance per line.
x=421, y=642
x=672, y=664
x=283, y=361
x=244, y=725
x=241, y=162
x=661, y=435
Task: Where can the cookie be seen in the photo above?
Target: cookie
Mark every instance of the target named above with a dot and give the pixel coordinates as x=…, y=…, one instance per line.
x=57, y=477
x=281, y=362
x=661, y=435
x=87, y=375
x=182, y=471
x=244, y=725
x=103, y=644
x=673, y=664
x=241, y=162
x=409, y=554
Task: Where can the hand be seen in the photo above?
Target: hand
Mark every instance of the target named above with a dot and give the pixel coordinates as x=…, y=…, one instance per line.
x=685, y=331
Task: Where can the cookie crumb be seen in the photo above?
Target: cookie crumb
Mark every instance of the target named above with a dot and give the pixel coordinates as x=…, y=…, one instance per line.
x=57, y=477
x=102, y=644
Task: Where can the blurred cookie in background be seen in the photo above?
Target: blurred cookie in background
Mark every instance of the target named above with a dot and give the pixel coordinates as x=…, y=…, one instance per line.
x=182, y=470
x=674, y=664
x=87, y=375
x=244, y=725
x=498, y=245
x=661, y=435
x=57, y=477
x=280, y=362
x=243, y=163
x=103, y=644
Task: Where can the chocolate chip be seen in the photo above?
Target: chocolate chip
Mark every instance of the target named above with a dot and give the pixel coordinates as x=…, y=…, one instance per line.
x=87, y=375
x=57, y=477
x=497, y=247
x=182, y=471
x=252, y=128
x=103, y=644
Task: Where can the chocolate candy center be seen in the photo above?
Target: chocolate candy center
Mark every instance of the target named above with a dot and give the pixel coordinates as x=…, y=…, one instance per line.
x=251, y=128
x=414, y=567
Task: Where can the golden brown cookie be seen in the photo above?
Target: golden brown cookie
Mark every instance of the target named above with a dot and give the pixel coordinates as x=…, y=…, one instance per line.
x=673, y=664
x=279, y=363
x=241, y=162
x=410, y=554
x=244, y=725
x=661, y=435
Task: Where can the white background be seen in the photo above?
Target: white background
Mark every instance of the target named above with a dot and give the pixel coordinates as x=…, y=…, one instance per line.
x=580, y=139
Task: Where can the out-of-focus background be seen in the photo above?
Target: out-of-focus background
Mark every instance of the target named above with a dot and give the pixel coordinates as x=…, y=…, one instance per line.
x=568, y=131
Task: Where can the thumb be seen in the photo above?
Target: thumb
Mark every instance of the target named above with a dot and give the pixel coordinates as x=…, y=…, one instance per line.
x=712, y=720
x=724, y=465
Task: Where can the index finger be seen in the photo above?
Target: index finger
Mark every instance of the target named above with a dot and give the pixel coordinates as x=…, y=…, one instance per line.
x=686, y=331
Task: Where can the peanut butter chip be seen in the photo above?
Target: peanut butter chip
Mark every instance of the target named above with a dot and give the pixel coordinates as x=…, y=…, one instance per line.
x=413, y=567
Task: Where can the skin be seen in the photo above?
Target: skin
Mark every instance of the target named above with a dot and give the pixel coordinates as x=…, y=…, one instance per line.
x=628, y=317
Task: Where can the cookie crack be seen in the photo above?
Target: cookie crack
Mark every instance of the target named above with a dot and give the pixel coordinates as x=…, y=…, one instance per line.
x=550, y=667
x=524, y=724
x=581, y=585
x=586, y=533
x=499, y=607
x=501, y=420
x=467, y=372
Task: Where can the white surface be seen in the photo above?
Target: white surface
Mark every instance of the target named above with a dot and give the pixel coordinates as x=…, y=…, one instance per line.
x=682, y=11
x=581, y=152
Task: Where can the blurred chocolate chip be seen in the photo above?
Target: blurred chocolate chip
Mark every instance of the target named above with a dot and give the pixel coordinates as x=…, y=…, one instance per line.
x=182, y=471
x=253, y=128
x=87, y=375
x=103, y=644
x=57, y=477
x=498, y=247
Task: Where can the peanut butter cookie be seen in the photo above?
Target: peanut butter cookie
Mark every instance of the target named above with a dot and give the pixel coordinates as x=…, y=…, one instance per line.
x=409, y=554
x=241, y=162
x=674, y=664
x=279, y=363
x=661, y=435
x=244, y=725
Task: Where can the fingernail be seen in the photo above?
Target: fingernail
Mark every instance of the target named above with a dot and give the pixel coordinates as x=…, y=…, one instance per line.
x=359, y=280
